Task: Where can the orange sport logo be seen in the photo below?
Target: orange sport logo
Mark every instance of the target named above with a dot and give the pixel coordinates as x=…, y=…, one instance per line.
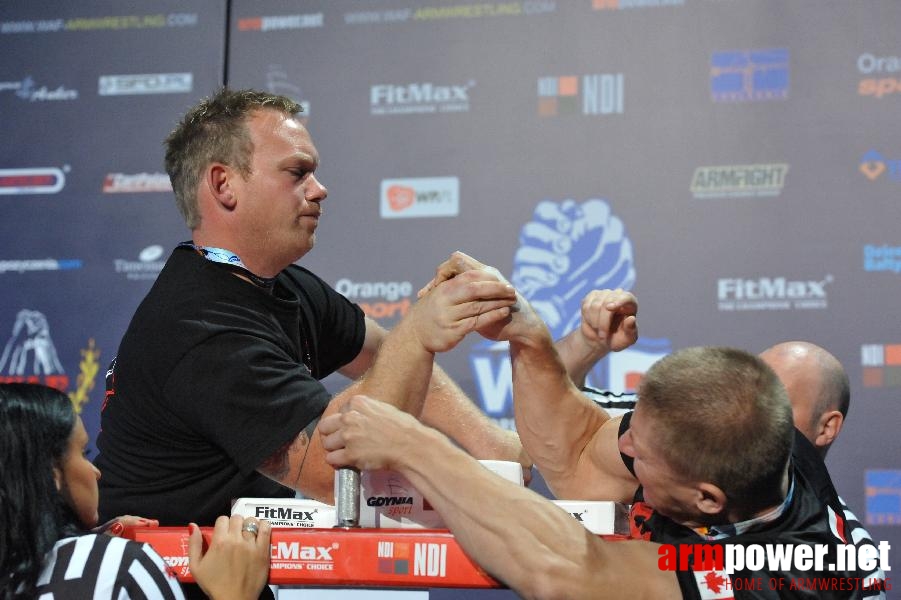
x=883, y=75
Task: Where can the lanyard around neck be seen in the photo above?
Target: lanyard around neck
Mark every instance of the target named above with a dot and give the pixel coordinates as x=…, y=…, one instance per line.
x=232, y=260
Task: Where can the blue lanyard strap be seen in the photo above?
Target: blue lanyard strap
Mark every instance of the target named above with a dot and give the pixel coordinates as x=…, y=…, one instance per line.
x=229, y=258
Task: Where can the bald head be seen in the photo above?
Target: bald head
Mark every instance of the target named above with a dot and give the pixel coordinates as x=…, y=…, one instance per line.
x=817, y=387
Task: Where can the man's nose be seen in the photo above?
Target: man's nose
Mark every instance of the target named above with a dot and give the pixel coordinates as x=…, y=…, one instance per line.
x=315, y=191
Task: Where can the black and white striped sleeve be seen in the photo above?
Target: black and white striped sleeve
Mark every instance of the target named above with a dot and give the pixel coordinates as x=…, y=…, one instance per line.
x=100, y=566
x=614, y=404
x=873, y=578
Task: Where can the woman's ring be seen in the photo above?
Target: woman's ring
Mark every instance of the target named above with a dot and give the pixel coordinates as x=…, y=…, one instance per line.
x=251, y=527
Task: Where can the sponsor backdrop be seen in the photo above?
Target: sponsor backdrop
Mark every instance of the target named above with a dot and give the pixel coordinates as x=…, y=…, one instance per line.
x=733, y=163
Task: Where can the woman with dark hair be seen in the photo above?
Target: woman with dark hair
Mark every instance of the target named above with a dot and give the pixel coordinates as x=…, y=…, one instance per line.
x=48, y=503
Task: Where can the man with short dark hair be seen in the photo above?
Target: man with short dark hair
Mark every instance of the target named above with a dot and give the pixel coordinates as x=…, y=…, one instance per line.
x=705, y=459
x=215, y=391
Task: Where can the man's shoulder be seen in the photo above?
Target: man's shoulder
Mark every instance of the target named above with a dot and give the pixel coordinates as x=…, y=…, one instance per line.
x=296, y=275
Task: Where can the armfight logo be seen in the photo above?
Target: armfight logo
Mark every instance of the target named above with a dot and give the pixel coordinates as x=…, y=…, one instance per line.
x=37, y=180
x=739, y=181
x=566, y=250
x=29, y=356
x=749, y=75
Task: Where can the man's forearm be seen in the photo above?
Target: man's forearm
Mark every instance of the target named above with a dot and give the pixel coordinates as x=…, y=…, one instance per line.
x=449, y=410
x=519, y=537
x=400, y=372
x=578, y=356
x=554, y=420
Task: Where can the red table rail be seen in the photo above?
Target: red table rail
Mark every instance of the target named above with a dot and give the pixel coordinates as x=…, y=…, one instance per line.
x=343, y=557
x=419, y=558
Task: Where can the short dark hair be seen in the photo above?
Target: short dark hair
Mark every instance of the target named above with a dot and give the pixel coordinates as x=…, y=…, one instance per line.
x=215, y=131
x=36, y=423
x=723, y=417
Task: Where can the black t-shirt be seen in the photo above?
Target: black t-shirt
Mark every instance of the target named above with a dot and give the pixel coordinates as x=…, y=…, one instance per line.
x=813, y=516
x=212, y=377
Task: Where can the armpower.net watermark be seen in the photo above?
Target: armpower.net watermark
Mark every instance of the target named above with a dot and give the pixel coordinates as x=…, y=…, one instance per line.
x=715, y=565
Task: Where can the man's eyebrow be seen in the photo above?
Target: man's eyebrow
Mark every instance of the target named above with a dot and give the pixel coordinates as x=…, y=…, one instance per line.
x=302, y=158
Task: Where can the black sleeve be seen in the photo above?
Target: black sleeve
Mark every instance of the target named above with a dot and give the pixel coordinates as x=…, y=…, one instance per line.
x=623, y=427
x=245, y=396
x=336, y=326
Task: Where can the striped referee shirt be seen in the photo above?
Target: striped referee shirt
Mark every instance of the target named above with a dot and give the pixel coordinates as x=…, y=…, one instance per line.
x=101, y=566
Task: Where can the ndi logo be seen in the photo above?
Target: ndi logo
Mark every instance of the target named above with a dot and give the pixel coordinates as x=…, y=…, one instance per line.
x=749, y=75
x=565, y=251
x=881, y=365
x=600, y=94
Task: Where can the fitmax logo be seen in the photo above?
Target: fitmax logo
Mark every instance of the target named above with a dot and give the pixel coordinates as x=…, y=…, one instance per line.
x=284, y=512
x=295, y=551
x=777, y=293
x=419, y=98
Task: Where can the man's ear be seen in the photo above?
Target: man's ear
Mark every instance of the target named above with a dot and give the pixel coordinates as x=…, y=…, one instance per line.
x=828, y=427
x=710, y=499
x=219, y=180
